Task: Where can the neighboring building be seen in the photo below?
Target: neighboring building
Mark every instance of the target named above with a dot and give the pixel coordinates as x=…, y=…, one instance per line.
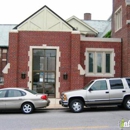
x=4, y=33
x=50, y=55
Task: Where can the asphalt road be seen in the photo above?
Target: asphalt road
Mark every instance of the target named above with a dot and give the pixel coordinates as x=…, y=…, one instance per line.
x=62, y=119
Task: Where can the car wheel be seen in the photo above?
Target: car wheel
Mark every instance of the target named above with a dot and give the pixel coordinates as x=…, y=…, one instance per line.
x=76, y=105
x=27, y=108
x=127, y=103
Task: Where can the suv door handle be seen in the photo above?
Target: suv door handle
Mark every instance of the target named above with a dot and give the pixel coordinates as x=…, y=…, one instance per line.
x=123, y=91
x=107, y=92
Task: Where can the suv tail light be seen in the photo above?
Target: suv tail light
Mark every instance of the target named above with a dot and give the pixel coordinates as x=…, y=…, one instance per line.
x=44, y=97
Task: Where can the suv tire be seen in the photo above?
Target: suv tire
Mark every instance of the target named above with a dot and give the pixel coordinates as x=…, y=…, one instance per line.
x=127, y=103
x=76, y=105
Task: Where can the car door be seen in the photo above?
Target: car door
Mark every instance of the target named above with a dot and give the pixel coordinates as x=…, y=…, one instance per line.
x=2, y=98
x=98, y=93
x=117, y=90
x=14, y=99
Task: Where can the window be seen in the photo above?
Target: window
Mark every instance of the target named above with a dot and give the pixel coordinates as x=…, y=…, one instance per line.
x=116, y=84
x=15, y=93
x=128, y=82
x=118, y=19
x=2, y=93
x=99, y=85
x=99, y=62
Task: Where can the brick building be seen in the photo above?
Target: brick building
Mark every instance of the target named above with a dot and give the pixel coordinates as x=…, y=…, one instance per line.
x=48, y=54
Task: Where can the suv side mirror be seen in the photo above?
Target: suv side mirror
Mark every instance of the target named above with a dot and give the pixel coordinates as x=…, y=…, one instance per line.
x=90, y=90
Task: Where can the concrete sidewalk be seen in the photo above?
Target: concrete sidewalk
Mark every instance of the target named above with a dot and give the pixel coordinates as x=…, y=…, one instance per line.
x=54, y=104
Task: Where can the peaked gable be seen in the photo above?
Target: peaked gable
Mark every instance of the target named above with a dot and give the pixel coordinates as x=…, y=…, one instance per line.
x=44, y=20
x=83, y=27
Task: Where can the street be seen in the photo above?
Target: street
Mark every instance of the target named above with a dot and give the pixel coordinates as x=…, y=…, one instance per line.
x=62, y=119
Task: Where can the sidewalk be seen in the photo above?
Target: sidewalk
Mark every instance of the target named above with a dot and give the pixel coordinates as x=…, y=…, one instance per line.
x=54, y=104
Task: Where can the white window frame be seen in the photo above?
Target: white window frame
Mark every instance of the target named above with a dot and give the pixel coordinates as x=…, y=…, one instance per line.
x=103, y=51
x=118, y=19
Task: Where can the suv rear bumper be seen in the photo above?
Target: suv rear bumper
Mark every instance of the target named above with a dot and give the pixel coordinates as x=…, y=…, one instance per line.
x=64, y=104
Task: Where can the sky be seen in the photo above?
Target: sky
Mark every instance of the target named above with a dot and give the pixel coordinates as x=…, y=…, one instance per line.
x=15, y=11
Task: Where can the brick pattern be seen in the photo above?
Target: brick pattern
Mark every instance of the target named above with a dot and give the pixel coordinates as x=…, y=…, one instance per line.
x=92, y=44
x=3, y=59
x=72, y=53
x=124, y=34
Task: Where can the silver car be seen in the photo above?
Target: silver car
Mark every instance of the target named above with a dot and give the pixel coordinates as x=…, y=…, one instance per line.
x=24, y=99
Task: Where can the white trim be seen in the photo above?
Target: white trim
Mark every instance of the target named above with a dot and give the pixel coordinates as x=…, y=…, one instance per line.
x=100, y=39
x=127, y=2
x=13, y=31
x=118, y=19
x=83, y=23
x=7, y=67
x=104, y=51
x=127, y=21
x=82, y=71
x=4, y=59
x=58, y=64
x=75, y=32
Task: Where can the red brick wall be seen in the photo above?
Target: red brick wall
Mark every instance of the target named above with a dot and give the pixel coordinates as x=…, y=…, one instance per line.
x=92, y=44
x=18, y=56
x=3, y=56
x=124, y=34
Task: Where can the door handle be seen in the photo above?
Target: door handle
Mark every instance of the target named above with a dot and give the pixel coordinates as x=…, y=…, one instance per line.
x=107, y=92
x=123, y=91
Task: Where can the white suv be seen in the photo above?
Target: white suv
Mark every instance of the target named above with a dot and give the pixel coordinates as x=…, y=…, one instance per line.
x=113, y=91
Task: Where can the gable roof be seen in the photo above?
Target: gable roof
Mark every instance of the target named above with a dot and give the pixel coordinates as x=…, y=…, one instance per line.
x=81, y=25
x=102, y=26
x=56, y=17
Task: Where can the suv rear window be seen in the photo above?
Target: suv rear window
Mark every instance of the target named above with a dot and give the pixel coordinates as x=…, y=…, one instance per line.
x=128, y=82
x=116, y=84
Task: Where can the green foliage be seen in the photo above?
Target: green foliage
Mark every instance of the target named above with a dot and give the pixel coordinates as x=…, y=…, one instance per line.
x=107, y=35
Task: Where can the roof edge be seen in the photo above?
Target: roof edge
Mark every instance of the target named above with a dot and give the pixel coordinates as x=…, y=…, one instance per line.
x=40, y=10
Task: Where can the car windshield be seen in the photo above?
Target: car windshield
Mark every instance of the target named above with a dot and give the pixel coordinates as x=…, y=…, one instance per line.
x=31, y=91
x=86, y=86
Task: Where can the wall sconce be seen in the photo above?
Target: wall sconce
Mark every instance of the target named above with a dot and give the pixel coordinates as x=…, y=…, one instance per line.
x=23, y=75
x=65, y=76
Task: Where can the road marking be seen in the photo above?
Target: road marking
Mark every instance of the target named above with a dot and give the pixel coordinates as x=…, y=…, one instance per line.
x=75, y=128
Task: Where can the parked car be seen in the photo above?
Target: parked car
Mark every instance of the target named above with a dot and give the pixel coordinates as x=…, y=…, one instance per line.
x=113, y=91
x=24, y=99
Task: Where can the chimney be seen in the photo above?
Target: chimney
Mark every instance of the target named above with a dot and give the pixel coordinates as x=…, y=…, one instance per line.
x=87, y=16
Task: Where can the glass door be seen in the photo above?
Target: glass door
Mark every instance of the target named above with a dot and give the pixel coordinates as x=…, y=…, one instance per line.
x=44, y=71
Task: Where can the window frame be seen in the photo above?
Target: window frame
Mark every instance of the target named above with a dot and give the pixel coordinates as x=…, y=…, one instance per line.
x=103, y=51
x=118, y=19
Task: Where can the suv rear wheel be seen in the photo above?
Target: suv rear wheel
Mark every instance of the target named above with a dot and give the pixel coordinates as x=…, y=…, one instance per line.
x=127, y=103
x=76, y=105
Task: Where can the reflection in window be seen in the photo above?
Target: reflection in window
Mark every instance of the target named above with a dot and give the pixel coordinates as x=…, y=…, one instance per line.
x=99, y=62
x=108, y=63
x=99, y=85
x=116, y=84
x=90, y=62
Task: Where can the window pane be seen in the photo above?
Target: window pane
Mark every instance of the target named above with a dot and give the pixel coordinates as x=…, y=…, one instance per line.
x=50, y=63
x=50, y=77
x=99, y=85
x=116, y=84
x=2, y=93
x=91, y=59
x=128, y=82
x=38, y=59
x=107, y=63
x=99, y=62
